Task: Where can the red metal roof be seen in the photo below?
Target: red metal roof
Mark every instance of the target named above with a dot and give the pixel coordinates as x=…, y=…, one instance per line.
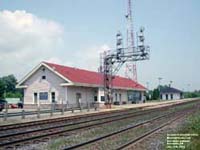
x=90, y=77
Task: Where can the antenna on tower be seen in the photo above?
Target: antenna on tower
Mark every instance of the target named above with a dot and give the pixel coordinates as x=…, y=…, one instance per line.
x=113, y=60
x=130, y=33
x=130, y=71
x=131, y=68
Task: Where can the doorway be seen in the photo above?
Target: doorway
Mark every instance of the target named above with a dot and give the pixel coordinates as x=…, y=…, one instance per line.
x=166, y=96
x=53, y=97
x=78, y=99
x=35, y=98
x=172, y=96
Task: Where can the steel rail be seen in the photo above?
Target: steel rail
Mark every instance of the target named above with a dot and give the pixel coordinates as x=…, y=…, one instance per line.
x=123, y=130
x=70, y=130
x=46, y=121
x=134, y=141
x=114, y=133
x=132, y=114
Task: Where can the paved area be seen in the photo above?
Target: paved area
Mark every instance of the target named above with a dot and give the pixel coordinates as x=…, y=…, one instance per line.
x=18, y=119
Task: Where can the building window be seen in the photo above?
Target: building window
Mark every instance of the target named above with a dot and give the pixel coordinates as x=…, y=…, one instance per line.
x=53, y=97
x=102, y=98
x=43, y=95
x=78, y=99
x=43, y=77
x=171, y=96
x=134, y=96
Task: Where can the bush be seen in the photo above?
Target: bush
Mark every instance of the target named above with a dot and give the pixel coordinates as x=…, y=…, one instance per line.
x=14, y=95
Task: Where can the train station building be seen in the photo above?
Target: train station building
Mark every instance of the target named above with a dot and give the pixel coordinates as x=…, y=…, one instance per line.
x=51, y=83
x=170, y=93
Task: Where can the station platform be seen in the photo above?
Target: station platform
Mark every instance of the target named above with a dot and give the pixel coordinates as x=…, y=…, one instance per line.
x=147, y=105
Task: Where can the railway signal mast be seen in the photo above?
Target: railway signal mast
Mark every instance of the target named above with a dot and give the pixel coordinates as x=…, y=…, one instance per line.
x=113, y=60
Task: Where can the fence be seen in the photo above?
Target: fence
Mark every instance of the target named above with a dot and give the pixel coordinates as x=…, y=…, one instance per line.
x=54, y=109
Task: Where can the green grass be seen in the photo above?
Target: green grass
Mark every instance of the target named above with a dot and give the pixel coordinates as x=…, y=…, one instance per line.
x=191, y=126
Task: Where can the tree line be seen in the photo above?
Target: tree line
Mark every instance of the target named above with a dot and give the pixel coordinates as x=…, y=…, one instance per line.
x=8, y=87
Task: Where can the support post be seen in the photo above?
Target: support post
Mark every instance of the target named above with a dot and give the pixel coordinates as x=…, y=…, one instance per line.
x=88, y=106
x=23, y=114
x=62, y=109
x=95, y=107
x=38, y=112
x=72, y=110
x=52, y=109
x=80, y=108
x=5, y=115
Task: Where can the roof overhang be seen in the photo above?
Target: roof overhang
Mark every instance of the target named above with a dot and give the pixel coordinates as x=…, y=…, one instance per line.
x=131, y=89
x=101, y=86
x=20, y=84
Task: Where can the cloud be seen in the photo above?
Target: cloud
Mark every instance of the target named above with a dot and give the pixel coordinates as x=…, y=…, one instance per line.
x=86, y=58
x=90, y=57
x=26, y=39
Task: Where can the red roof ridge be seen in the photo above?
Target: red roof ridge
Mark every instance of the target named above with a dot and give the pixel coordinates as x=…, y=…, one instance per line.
x=91, y=77
x=71, y=67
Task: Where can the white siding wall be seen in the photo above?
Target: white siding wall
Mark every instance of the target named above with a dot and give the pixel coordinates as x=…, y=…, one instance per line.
x=51, y=84
x=100, y=93
x=175, y=96
x=124, y=95
x=87, y=94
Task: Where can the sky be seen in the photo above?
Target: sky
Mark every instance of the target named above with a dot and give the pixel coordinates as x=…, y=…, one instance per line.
x=74, y=32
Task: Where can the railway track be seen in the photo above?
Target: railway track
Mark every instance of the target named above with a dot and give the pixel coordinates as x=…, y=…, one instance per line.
x=14, y=138
x=114, y=137
x=57, y=120
x=10, y=140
